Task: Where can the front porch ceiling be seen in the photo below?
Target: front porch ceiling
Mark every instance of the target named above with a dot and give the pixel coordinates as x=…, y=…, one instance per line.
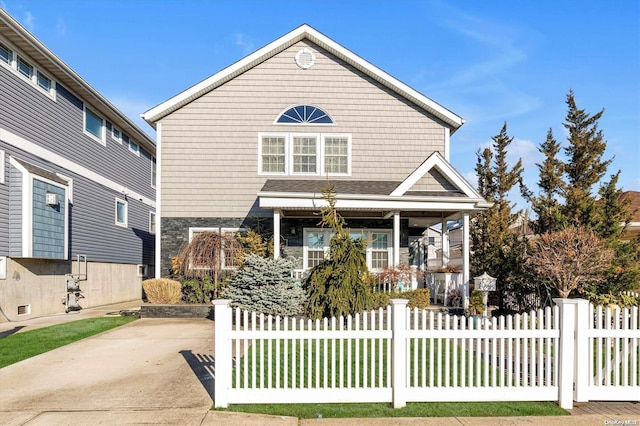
x=417, y=219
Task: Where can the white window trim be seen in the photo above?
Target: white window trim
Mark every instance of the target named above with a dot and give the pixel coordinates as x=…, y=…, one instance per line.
x=136, y=152
x=143, y=271
x=2, y=167
x=320, y=149
x=102, y=128
x=214, y=229
x=322, y=156
x=13, y=66
x=126, y=213
x=3, y=267
x=114, y=137
x=155, y=223
x=154, y=162
x=286, y=154
x=327, y=241
x=292, y=137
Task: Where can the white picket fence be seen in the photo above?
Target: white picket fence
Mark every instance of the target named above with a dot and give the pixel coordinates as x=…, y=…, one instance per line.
x=400, y=355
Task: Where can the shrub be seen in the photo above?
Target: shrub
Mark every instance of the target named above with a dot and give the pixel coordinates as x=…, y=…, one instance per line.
x=162, y=290
x=418, y=298
x=266, y=286
x=379, y=300
x=476, y=304
x=198, y=290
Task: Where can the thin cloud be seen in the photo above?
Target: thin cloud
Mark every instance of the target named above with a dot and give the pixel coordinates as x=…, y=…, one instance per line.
x=245, y=42
x=61, y=27
x=29, y=21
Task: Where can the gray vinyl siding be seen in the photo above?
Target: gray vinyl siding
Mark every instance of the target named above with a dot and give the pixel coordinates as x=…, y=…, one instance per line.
x=48, y=221
x=4, y=210
x=58, y=126
x=15, y=212
x=210, y=146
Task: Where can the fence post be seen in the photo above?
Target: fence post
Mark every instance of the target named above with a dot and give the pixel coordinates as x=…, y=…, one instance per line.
x=566, y=352
x=222, y=352
x=398, y=352
x=582, y=372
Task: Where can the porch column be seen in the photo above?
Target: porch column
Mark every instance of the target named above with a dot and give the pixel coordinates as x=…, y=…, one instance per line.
x=445, y=243
x=465, y=259
x=396, y=238
x=276, y=234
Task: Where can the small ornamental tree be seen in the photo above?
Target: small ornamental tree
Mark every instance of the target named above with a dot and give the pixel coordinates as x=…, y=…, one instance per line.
x=341, y=284
x=266, y=286
x=572, y=258
x=206, y=256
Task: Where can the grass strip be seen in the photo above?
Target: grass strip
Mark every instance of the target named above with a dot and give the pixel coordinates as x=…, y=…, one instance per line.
x=416, y=409
x=20, y=346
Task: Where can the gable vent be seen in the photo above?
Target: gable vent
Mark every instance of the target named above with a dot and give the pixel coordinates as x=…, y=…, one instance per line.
x=24, y=309
x=305, y=58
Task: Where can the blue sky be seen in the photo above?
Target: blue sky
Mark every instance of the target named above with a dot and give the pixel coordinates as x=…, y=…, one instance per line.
x=488, y=61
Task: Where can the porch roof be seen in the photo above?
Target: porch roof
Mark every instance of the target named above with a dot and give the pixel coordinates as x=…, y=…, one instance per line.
x=291, y=195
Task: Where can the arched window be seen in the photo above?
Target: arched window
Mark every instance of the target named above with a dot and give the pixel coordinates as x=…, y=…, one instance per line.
x=307, y=114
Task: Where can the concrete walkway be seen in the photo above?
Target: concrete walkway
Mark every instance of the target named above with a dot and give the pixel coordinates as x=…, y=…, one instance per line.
x=160, y=371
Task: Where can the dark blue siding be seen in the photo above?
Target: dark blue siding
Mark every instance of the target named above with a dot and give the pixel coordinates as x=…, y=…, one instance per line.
x=48, y=221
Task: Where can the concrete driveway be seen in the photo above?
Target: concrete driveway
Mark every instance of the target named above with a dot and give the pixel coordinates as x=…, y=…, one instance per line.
x=144, y=367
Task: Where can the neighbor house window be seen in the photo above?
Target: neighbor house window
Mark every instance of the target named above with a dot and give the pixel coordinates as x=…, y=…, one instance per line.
x=273, y=152
x=93, y=124
x=305, y=154
x=6, y=54
x=153, y=171
x=44, y=82
x=134, y=147
x=121, y=212
x=315, y=248
x=115, y=134
x=25, y=68
x=152, y=222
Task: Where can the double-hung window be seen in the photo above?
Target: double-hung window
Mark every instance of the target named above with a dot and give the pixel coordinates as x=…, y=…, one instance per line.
x=228, y=256
x=304, y=154
x=273, y=154
x=25, y=68
x=378, y=252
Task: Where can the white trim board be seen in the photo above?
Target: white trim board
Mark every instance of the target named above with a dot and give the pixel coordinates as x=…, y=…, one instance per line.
x=32, y=148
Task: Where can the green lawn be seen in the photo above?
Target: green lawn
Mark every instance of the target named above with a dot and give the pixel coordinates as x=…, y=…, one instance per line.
x=20, y=346
x=423, y=409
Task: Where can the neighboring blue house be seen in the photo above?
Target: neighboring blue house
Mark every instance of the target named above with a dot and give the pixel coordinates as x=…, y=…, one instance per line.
x=77, y=181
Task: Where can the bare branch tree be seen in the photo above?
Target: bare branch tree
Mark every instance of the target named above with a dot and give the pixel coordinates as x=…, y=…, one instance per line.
x=570, y=258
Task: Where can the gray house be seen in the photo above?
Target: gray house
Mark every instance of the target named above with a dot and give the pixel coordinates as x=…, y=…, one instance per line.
x=77, y=186
x=258, y=141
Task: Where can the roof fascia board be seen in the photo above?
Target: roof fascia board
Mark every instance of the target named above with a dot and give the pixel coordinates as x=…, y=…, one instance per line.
x=436, y=160
x=304, y=31
x=138, y=134
x=316, y=203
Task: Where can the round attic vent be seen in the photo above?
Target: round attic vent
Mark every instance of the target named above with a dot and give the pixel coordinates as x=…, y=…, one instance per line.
x=305, y=58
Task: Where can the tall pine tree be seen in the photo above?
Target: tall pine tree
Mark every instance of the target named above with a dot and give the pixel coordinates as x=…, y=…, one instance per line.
x=497, y=249
x=584, y=167
x=547, y=204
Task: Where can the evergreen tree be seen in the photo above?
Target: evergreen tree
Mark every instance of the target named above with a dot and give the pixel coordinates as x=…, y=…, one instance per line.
x=547, y=204
x=584, y=167
x=497, y=248
x=266, y=286
x=341, y=284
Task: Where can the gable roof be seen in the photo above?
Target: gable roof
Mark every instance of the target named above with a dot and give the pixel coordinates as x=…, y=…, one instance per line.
x=303, y=32
x=436, y=161
x=22, y=39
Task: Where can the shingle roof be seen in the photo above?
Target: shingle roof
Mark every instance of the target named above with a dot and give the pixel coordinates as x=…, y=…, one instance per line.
x=368, y=187
x=634, y=198
x=340, y=186
x=41, y=172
